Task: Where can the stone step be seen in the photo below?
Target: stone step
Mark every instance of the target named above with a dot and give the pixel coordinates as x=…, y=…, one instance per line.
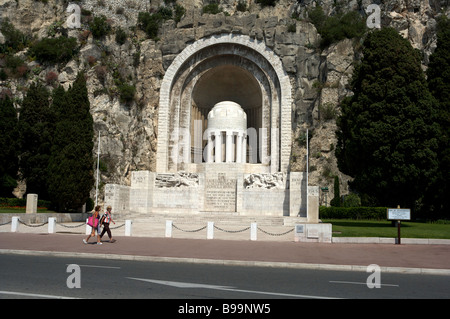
x=225, y=218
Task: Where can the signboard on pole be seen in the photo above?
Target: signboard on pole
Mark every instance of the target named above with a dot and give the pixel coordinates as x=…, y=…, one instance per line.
x=399, y=214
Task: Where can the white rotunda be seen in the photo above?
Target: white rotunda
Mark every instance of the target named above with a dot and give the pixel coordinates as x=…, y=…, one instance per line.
x=227, y=130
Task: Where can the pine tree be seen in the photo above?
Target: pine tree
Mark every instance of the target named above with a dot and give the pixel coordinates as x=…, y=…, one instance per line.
x=438, y=73
x=71, y=164
x=387, y=137
x=35, y=136
x=9, y=163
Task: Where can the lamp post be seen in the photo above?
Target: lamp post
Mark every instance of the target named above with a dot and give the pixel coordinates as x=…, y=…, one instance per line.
x=98, y=168
x=307, y=169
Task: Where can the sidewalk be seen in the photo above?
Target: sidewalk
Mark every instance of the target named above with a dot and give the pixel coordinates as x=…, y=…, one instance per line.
x=414, y=259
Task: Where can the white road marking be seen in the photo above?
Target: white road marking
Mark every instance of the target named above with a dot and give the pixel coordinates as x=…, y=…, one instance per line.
x=24, y=294
x=94, y=266
x=359, y=283
x=224, y=288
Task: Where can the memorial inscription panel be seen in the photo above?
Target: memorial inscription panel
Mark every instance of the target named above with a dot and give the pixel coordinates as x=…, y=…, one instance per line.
x=220, y=194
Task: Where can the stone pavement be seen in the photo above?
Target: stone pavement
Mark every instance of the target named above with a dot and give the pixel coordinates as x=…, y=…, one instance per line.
x=414, y=259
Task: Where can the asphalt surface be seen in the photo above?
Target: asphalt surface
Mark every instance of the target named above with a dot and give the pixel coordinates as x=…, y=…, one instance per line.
x=31, y=277
x=425, y=259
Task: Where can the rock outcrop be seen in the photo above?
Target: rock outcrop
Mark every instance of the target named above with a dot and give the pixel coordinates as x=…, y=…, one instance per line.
x=128, y=129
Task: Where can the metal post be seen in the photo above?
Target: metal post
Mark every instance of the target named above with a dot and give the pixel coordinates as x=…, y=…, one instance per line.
x=398, y=232
x=307, y=170
x=98, y=166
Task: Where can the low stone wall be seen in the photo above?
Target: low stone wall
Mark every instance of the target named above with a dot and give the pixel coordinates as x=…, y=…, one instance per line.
x=40, y=218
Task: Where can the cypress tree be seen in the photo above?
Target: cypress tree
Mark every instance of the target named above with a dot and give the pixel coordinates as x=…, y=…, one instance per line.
x=9, y=163
x=387, y=135
x=35, y=137
x=336, y=201
x=438, y=73
x=71, y=165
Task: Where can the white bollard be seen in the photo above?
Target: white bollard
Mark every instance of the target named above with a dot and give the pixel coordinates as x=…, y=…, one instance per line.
x=210, y=231
x=51, y=225
x=128, y=224
x=253, y=231
x=14, y=224
x=169, y=228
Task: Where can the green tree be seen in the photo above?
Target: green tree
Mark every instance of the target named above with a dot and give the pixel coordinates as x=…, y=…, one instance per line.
x=438, y=73
x=71, y=166
x=9, y=163
x=387, y=134
x=336, y=201
x=35, y=138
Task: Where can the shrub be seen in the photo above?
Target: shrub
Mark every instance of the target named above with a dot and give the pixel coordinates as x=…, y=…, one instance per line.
x=15, y=67
x=212, y=8
x=241, y=6
x=327, y=112
x=54, y=50
x=84, y=35
x=99, y=27
x=101, y=72
x=21, y=202
x=149, y=23
x=14, y=39
x=3, y=75
x=126, y=92
x=51, y=77
x=338, y=27
x=267, y=3
x=121, y=36
x=378, y=213
x=179, y=12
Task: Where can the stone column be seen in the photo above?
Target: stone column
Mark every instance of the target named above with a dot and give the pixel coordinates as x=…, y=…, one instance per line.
x=32, y=200
x=244, y=148
x=239, y=147
x=228, y=148
x=209, y=148
x=218, y=146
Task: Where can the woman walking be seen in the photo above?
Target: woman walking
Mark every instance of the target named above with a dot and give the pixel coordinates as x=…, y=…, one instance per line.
x=95, y=226
x=106, y=219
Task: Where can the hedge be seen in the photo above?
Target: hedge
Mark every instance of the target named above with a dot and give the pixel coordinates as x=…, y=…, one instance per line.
x=21, y=202
x=377, y=213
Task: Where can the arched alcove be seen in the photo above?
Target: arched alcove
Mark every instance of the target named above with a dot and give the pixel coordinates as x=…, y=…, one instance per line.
x=227, y=67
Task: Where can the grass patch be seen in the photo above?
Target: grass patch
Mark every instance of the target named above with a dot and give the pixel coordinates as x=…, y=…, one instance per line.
x=375, y=228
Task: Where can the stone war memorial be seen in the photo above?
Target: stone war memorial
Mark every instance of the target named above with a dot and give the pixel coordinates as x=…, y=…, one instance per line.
x=224, y=141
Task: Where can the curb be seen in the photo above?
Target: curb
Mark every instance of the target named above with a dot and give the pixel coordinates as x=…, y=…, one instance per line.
x=389, y=240
x=359, y=268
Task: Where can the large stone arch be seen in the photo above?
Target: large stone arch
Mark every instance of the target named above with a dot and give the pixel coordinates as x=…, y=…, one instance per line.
x=235, y=54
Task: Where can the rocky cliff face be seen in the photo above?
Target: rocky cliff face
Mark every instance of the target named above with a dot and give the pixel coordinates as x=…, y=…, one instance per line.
x=129, y=129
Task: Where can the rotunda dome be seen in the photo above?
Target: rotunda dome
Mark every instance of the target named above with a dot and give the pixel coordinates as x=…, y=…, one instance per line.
x=227, y=115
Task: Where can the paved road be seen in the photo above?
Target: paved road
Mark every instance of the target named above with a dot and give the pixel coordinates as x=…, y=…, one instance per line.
x=45, y=276
x=404, y=258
